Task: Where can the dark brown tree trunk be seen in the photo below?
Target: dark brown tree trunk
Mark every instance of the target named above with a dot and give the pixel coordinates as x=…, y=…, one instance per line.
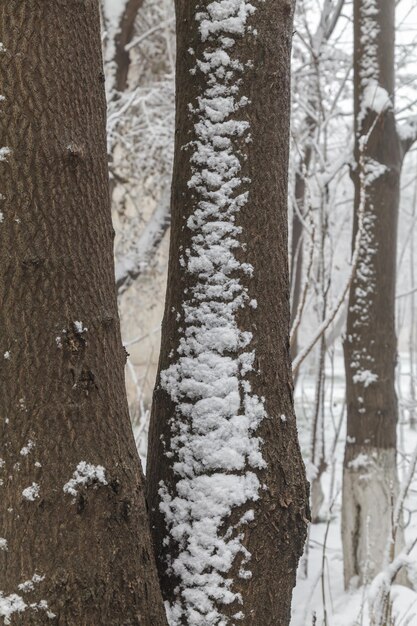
x=75, y=544
x=225, y=479
x=123, y=37
x=370, y=475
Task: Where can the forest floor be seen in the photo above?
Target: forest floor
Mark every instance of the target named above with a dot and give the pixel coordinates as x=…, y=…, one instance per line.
x=319, y=598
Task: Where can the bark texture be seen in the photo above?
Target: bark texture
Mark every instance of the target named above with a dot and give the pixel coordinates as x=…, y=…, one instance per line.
x=86, y=549
x=371, y=346
x=275, y=535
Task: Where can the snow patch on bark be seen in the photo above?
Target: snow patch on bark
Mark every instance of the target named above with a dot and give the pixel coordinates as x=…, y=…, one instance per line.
x=80, y=328
x=85, y=474
x=213, y=438
x=365, y=377
x=408, y=130
x=14, y=603
x=376, y=98
x=4, y=153
x=31, y=493
x=27, y=448
x=29, y=585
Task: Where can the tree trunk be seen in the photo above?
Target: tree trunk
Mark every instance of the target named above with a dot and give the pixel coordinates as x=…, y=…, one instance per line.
x=75, y=545
x=370, y=474
x=226, y=482
x=297, y=241
x=123, y=37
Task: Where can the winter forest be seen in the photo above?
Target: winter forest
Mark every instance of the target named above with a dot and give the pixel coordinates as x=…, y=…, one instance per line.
x=208, y=312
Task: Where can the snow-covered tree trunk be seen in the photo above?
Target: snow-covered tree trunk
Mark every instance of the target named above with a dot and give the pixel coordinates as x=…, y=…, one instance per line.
x=75, y=544
x=370, y=474
x=226, y=483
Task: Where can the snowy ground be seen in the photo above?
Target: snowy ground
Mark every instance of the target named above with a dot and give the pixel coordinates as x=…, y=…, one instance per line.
x=319, y=598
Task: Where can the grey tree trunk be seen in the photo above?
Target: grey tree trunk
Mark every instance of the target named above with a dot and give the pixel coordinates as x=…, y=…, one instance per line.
x=75, y=542
x=225, y=480
x=370, y=474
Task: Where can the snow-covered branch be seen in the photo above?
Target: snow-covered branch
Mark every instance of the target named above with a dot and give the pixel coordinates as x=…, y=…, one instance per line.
x=130, y=266
x=408, y=134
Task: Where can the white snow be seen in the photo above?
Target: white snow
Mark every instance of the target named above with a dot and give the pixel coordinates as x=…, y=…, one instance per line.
x=113, y=10
x=14, y=603
x=4, y=153
x=311, y=471
x=27, y=448
x=80, y=328
x=3, y=544
x=408, y=129
x=85, y=474
x=7, y=355
x=376, y=98
x=11, y=604
x=361, y=461
x=373, y=170
x=365, y=377
x=217, y=414
x=29, y=585
x=31, y=493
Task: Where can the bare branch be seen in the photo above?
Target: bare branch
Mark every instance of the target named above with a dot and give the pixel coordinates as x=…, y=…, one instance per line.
x=300, y=309
x=132, y=265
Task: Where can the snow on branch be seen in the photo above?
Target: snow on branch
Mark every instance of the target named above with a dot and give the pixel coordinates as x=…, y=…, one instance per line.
x=408, y=134
x=130, y=266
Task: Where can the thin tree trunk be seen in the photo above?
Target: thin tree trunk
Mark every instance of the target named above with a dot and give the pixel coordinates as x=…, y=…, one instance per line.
x=226, y=483
x=123, y=37
x=74, y=529
x=328, y=20
x=297, y=242
x=370, y=474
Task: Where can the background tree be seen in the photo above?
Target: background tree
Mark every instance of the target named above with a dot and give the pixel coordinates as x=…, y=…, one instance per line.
x=370, y=480
x=74, y=533
x=139, y=51
x=226, y=485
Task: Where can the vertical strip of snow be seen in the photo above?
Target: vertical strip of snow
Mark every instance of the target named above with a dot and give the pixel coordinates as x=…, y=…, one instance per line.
x=217, y=414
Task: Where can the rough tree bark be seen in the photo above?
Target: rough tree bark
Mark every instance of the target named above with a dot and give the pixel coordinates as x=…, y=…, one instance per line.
x=75, y=545
x=225, y=479
x=370, y=474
